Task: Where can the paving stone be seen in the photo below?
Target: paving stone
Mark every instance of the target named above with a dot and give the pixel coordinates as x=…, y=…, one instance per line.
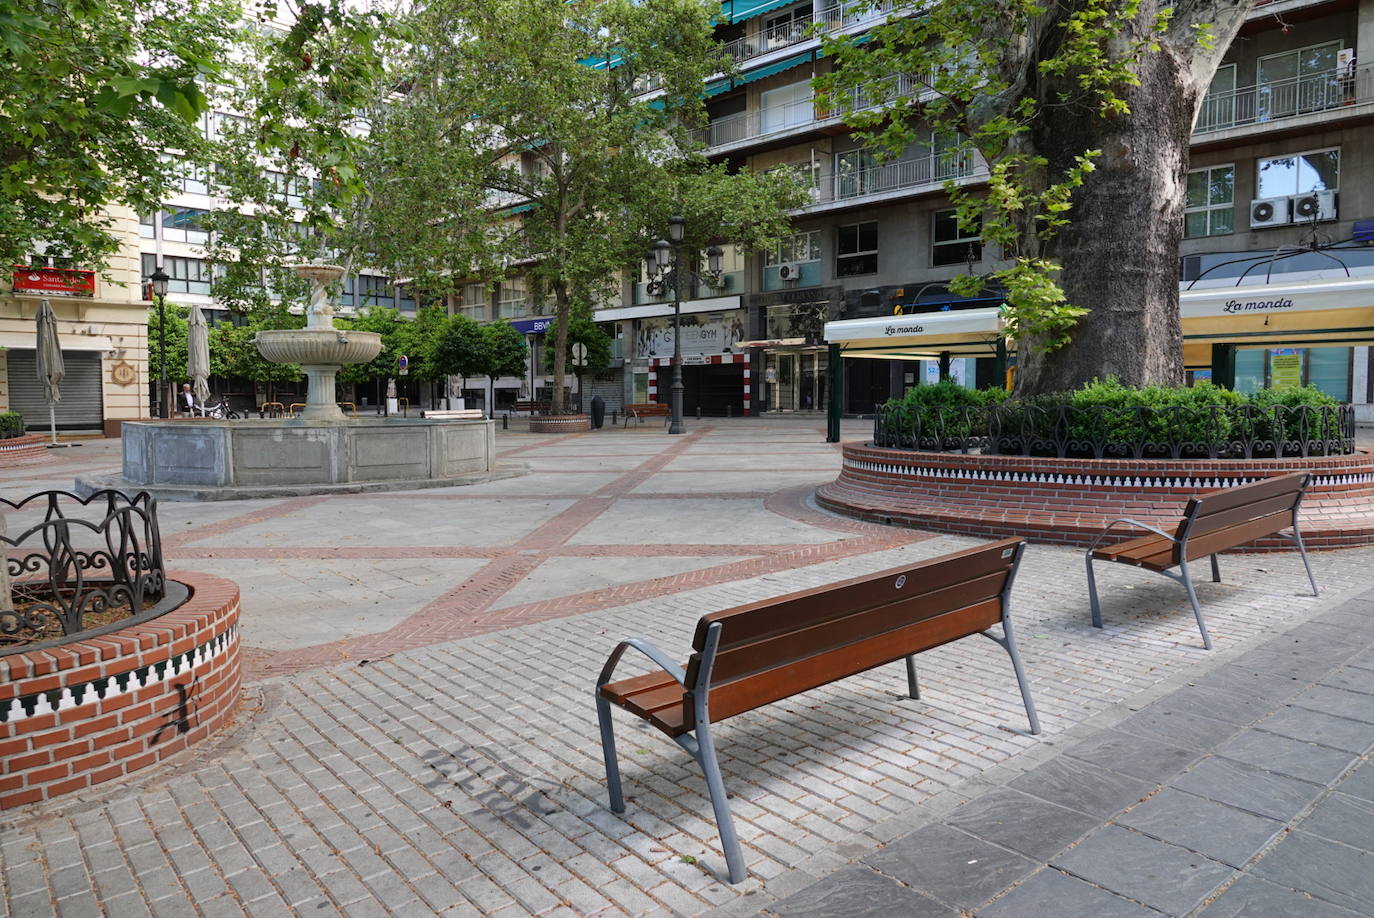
x=1326, y=869
x=1248, y=788
x=1249, y=897
x=1287, y=756
x=1050, y=892
x=1021, y=822
x=1081, y=786
x=952, y=866
x=1218, y=831
x=1191, y=731
x=1316, y=727
x=1343, y=818
x=1160, y=875
x=1360, y=782
x=1337, y=702
x=856, y=892
x=1218, y=704
x=1137, y=756
x=1352, y=679
x=1244, y=680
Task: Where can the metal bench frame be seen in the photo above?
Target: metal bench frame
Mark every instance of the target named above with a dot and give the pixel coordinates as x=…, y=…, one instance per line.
x=702, y=747
x=1183, y=576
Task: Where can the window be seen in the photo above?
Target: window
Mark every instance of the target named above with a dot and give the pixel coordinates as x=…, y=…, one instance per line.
x=147, y=225
x=184, y=224
x=472, y=301
x=514, y=299
x=405, y=300
x=350, y=288
x=1303, y=80
x=786, y=107
x=288, y=188
x=786, y=28
x=856, y=173
x=188, y=275
x=951, y=245
x=801, y=247
x=856, y=249
x=1299, y=173
x=807, y=172
x=1209, y=208
x=375, y=291
x=1219, y=105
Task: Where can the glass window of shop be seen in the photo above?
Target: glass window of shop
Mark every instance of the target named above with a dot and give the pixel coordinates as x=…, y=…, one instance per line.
x=795, y=380
x=1326, y=368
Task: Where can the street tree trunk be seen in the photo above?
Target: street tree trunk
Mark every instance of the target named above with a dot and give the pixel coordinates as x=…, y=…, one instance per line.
x=1120, y=251
x=560, y=354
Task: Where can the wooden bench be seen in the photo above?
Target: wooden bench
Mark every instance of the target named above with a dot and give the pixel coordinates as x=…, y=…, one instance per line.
x=456, y=414
x=642, y=410
x=1215, y=522
x=529, y=407
x=752, y=655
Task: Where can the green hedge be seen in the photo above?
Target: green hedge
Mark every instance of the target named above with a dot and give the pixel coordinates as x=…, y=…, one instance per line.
x=11, y=424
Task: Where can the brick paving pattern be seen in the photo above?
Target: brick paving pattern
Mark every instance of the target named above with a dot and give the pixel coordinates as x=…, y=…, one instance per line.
x=412, y=745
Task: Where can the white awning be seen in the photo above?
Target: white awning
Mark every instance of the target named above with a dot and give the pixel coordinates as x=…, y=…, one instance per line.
x=26, y=341
x=924, y=334
x=1304, y=296
x=651, y=310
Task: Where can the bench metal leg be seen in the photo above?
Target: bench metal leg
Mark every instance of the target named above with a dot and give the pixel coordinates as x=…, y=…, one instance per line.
x=1216, y=570
x=1187, y=580
x=1092, y=592
x=603, y=714
x=913, y=690
x=1297, y=538
x=1008, y=642
x=715, y=785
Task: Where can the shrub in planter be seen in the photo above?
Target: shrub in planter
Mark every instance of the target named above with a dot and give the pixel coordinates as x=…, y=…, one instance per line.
x=11, y=425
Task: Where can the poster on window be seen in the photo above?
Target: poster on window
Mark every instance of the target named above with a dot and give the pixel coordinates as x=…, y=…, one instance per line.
x=702, y=334
x=956, y=371
x=1285, y=368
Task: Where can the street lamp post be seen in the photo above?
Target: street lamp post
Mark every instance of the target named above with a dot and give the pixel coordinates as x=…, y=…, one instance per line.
x=160, y=278
x=665, y=262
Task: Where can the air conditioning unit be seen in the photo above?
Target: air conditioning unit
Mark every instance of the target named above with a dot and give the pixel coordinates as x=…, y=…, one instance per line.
x=1314, y=206
x=789, y=272
x=1265, y=212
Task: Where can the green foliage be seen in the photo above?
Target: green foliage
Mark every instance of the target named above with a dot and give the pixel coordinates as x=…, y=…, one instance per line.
x=587, y=333
x=173, y=334
x=506, y=351
x=233, y=353
x=94, y=92
x=11, y=425
x=461, y=348
x=387, y=323
x=417, y=340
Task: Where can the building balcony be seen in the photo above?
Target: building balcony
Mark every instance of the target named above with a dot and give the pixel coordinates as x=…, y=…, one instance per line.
x=801, y=116
x=900, y=178
x=29, y=281
x=1285, y=103
x=834, y=17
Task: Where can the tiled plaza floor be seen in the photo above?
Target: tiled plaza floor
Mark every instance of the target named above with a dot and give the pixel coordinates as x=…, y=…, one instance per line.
x=418, y=734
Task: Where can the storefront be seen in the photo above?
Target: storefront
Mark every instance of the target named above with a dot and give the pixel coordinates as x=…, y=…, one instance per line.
x=793, y=360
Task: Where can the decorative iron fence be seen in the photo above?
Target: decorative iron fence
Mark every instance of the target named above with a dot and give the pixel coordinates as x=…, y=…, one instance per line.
x=1100, y=432
x=67, y=573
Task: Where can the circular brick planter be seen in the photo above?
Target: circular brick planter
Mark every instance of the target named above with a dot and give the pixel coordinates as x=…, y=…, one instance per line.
x=560, y=423
x=1072, y=500
x=96, y=708
x=25, y=449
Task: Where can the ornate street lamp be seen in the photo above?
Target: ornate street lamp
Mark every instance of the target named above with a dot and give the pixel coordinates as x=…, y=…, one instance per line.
x=664, y=264
x=159, y=279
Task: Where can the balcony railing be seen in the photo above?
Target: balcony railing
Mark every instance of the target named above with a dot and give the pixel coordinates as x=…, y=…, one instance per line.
x=845, y=184
x=783, y=118
x=1281, y=99
x=832, y=18
x=53, y=281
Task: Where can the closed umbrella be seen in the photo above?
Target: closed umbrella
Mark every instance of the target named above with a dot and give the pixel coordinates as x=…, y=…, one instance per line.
x=198, y=354
x=50, y=367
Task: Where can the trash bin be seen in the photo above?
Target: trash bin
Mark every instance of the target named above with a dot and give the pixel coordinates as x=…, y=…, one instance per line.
x=598, y=411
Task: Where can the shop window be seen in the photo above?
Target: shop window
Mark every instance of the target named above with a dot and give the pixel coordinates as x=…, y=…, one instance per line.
x=952, y=245
x=1328, y=369
x=1299, y=173
x=1209, y=208
x=856, y=249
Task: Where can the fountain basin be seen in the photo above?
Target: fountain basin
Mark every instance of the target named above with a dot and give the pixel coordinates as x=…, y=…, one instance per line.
x=313, y=346
x=205, y=459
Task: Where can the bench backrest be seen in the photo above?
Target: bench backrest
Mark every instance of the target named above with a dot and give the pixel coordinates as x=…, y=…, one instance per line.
x=1224, y=519
x=775, y=648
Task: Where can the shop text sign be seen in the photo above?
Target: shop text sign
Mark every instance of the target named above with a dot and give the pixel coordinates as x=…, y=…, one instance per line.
x=904, y=330
x=1234, y=306
x=54, y=281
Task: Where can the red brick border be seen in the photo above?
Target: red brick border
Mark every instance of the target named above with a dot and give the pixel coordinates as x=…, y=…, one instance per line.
x=23, y=449
x=560, y=423
x=1071, y=500
x=99, y=708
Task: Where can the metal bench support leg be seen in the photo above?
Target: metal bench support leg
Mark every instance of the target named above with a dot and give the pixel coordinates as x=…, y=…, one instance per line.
x=1092, y=592
x=1216, y=570
x=1187, y=580
x=603, y=714
x=1297, y=538
x=912, y=688
x=1008, y=642
x=715, y=785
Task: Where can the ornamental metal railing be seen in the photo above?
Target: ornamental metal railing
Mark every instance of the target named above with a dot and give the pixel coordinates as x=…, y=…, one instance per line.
x=802, y=113
x=1100, y=432
x=75, y=563
x=1276, y=100
x=832, y=17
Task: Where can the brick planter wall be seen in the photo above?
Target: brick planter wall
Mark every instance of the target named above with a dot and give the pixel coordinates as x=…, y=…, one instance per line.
x=98, y=708
x=23, y=449
x=560, y=423
x=1072, y=500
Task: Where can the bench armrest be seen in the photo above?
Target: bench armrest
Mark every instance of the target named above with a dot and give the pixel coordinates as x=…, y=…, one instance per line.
x=650, y=651
x=1139, y=525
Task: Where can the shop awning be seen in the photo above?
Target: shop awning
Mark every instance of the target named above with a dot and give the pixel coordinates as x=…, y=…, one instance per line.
x=740, y=10
x=923, y=335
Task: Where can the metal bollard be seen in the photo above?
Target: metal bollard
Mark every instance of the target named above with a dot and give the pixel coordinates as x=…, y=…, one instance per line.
x=505, y=422
x=613, y=415
x=698, y=412
x=729, y=411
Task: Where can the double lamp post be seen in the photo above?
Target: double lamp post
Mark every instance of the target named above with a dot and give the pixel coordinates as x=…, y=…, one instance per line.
x=665, y=267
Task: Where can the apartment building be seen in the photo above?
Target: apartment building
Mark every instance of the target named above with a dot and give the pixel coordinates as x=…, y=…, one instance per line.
x=1282, y=161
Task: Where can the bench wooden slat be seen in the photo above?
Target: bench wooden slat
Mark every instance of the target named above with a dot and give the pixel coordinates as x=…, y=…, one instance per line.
x=754, y=621
x=910, y=605
x=762, y=688
x=1224, y=519
x=1238, y=496
x=1239, y=534
x=1152, y=551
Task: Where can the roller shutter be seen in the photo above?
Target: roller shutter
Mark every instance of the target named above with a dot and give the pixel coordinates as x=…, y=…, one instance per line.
x=81, y=407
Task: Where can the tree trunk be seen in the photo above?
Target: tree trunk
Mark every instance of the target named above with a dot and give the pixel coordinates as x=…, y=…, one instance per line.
x=560, y=353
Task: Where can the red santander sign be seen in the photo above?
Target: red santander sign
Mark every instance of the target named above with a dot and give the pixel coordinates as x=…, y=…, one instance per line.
x=54, y=281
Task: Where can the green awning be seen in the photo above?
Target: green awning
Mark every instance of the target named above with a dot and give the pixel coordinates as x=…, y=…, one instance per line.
x=716, y=88
x=740, y=10
x=797, y=60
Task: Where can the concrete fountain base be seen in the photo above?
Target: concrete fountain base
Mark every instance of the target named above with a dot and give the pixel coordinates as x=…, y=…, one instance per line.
x=225, y=460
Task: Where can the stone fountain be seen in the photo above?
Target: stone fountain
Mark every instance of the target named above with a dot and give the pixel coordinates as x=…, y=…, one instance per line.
x=321, y=451
x=319, y=348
